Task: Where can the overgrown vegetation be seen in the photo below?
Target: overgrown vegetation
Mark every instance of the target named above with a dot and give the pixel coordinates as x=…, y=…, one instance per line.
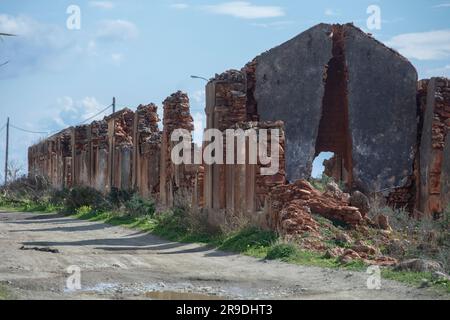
x=417, y=279
x=425, y=238
x=4, y=293
x=413, y=238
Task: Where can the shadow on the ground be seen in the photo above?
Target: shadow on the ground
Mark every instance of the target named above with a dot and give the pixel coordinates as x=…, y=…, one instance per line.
x=53, y=220
x=137, y=241
x=82, y=228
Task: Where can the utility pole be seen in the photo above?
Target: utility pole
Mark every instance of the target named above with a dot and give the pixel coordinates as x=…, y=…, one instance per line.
x=112, y=147
x=7, y=151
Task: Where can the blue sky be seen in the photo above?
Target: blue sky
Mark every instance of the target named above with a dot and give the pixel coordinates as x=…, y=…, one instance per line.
x=142, y=51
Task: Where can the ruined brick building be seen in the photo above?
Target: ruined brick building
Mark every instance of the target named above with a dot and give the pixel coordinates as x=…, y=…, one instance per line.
x=332, y=88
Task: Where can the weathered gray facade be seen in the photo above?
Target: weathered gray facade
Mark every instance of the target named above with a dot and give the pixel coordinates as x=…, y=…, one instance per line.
x=290, y=87
x=366, y=91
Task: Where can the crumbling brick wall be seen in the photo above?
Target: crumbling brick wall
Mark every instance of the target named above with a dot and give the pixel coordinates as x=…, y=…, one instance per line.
x=81, y=158
x=332, y=88
x=147, y=140
x=176, y=181
x=237, y=189
x=434, y=155
x=120, y=129
x=52, y=159
x=99, y=155
x=226, y=106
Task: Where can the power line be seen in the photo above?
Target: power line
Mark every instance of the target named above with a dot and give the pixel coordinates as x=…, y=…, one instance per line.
x=28, y=131
x=94, y=116
x=83, y=122
x=49, y=133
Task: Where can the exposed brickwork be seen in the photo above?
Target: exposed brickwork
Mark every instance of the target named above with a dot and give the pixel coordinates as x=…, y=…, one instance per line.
x=231, y=99
x=123, y=132
x=266, y=183
x=148, y=138
x=437, y=114
x=327, y=110
x=176, y=181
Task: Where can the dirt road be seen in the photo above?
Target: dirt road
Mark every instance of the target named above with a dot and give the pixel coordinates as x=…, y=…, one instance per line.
x=118, y=263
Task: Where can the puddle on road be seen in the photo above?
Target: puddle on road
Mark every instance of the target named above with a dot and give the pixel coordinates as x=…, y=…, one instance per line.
x=172, y=295
x=154, y=292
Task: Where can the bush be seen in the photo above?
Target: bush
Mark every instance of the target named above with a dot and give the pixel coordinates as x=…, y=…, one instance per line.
x=58, y=197
x=85, y=197
x=282, y=252
x=84, y=210
x=137, y=206
x=118, y=198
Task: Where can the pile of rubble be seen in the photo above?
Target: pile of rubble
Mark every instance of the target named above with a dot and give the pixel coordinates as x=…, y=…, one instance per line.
x=291, y=207
x=293, y=211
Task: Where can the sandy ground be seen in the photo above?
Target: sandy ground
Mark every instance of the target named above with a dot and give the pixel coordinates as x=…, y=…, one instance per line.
x=118, y=263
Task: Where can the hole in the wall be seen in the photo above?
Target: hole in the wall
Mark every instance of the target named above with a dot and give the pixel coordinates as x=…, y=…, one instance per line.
x=318, y=164
x=334, y=133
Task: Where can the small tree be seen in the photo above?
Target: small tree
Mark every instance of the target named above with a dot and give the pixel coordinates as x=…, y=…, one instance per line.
x=15, y=171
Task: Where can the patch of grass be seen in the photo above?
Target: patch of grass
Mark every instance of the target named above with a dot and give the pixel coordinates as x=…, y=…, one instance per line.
x=416, y=279
x=4, y=293
x=284, y=252
x=26, y=206
x=249, y=241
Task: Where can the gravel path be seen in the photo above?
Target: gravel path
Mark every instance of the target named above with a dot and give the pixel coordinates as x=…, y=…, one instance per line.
x=118, y=263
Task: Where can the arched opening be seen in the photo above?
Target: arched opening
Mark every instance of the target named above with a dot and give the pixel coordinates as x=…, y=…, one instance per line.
x=334, y=134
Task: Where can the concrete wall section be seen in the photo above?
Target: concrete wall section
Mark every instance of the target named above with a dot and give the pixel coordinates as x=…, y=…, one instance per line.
x=290, y=87
x=382, y=92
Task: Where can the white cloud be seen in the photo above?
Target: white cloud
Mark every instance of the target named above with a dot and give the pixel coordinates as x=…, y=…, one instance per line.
x=117, y=58
x=199, y=97
x=117, y=30
x=179, y=6
x=89, y=107
x=37, y=45
x=442, y=5
x=432, y=45
x=50, y=47
x=439, y=72
x=69, y=112
x=107, y=5
x=246, y=10
x=199, y=127
x=274, y=25
x=330, y=12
